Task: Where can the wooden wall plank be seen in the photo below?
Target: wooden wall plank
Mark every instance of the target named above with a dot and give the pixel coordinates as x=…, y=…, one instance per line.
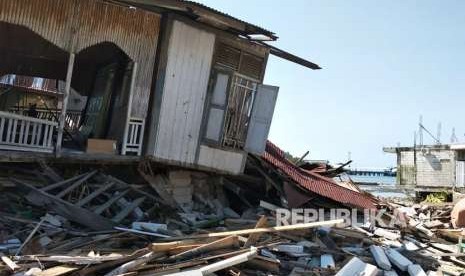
x=186, y=81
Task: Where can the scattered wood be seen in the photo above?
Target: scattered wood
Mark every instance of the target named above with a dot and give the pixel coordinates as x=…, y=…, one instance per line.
x=11, y=265
x=151, y=234
x=264, y=230
x=253, y=238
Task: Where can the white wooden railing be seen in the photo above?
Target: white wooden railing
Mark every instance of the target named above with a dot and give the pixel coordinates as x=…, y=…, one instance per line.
x=71, y=121
x=18, y=132
x=133, y=141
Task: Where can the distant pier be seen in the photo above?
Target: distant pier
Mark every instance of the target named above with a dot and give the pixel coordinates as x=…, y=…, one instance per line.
x=372, y=171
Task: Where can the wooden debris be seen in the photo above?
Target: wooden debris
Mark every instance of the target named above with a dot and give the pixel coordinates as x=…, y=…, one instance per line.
x=264, y=230
x=151, y=234
x=253, y=238
x=11, y=265
x=57, y=270
x=209, y=269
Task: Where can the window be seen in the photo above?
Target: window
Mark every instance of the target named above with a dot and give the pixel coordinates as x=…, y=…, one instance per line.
x=233, y=92
x=238, y=111
x=230, y=109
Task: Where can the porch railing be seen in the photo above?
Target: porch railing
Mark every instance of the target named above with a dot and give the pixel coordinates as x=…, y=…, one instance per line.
x=18, y=132
x=71, y=121
x=133, y=141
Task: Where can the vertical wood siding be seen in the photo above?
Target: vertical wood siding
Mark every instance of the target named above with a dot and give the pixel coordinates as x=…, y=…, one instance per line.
x=133, y=30
x=186, y=79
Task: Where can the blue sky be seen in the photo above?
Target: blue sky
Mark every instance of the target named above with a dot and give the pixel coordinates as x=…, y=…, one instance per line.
x=384, y=63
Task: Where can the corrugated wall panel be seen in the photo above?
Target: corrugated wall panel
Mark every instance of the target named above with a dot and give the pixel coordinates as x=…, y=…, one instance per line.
x=48, y=18
x=186, y=80
x=135, y=31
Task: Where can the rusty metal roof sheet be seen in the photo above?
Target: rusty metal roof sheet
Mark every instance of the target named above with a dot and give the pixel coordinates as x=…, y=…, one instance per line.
x=315, y=183
x=203, y=12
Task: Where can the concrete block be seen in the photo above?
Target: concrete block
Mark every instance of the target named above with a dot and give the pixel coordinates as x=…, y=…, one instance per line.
x=357, y=267
x=398, y=259
x=416, y=270
x=380, y=257
x=290, y=248
x=149, y=226
x=327, y=261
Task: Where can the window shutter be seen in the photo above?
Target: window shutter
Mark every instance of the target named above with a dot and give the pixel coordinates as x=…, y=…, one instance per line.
x=228, y=56
x=260, y=121
x=251, y=66
x=217, y=108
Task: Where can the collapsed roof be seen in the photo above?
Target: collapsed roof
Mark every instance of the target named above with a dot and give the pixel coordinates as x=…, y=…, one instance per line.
x=315, y=183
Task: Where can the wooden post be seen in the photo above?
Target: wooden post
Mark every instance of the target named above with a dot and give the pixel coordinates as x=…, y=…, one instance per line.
x=128, y=113
x=64, y=107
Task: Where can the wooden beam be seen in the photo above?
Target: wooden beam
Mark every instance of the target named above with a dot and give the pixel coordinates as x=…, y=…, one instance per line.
x=261, y=230
x=228, y=242
x=11, y=265
x=253, y=238
x=61, y=126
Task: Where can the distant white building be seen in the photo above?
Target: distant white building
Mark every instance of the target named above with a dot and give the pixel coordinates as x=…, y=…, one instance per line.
x=432, y=167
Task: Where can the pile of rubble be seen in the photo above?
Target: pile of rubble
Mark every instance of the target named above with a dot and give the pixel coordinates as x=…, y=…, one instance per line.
x=165, y=221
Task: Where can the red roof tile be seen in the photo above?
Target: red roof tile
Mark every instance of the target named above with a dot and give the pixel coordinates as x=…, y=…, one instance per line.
x=315, y=183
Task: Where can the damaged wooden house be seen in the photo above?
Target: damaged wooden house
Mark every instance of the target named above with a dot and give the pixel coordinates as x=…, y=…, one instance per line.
x=174, y=82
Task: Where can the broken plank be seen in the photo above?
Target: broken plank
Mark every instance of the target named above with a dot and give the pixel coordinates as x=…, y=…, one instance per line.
x=227, y=242
x=66, y=209
x=11, y=265
x=210, y=269
x=110, y=202
x=134, y=264
x=57, y=270
x=94, y=194
x=166, y=246
x=128, y=209
x=253, y=238
x=142, y=232
x=76, y=184
x=64, y=182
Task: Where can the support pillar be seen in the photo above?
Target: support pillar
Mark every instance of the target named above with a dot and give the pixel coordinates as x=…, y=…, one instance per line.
x=64, y=107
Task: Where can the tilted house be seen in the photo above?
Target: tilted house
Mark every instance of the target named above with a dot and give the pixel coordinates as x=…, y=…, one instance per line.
x=171, y=80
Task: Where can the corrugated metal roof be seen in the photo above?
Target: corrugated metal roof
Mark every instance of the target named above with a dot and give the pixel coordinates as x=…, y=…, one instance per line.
x=188, y=6
x=263, y=30
x=315, y=183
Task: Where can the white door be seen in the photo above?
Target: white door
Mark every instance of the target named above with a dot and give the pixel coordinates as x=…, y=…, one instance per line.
x=260, y=121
